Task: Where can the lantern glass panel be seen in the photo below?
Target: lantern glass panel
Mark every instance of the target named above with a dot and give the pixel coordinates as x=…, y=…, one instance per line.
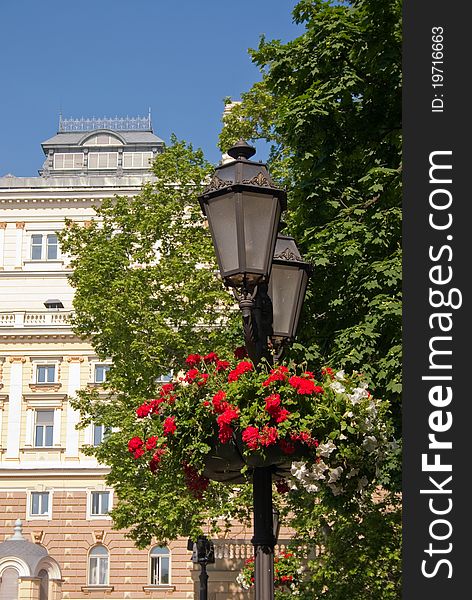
x=222, y=221
x=284, y=289
x=261, y=217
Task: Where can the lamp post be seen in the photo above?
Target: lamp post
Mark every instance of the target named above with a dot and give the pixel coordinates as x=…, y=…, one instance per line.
x=269, y=278
x=203, y=554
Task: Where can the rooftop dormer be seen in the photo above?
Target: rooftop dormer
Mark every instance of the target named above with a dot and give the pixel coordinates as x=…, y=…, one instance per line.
x=103, y=146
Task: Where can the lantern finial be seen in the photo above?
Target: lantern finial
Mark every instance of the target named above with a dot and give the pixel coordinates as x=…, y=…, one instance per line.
x=241, y=150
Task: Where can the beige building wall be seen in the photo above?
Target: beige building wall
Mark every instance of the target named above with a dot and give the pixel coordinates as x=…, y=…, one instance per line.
x=33, y=337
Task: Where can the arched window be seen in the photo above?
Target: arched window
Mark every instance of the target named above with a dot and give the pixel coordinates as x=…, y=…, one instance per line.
x=43, y=585
x=9, y=584
x=160, y=566
x=98, y=566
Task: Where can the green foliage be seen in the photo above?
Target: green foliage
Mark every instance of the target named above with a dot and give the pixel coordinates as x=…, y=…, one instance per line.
x=330, y=104
x=139, y=311
x=358, y=554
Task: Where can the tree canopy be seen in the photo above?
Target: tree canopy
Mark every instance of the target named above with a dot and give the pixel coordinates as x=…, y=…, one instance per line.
x=329, y=104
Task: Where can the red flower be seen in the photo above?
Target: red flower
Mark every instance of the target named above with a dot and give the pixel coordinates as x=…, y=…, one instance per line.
x=304, y=438
x=169, y=426
x=219, y=405
x=138, y=453
x=191, y=375
x=282, y=415
x=151, y=442
x=268, y=436
x=230, y=413
x=287, y=447
x=156, y=459
x=203, y=379
x=193, y=359
x=272, y=404
x=135, y=443
x=305, y=386
x=143, y=410
x=250, y=436
x=240, y=352
x=222, y=365
x=328, y=371
x=195, y=482
x=209, y=358
x=241, y=368
x=225, y=433
x=166, y=388
x=278, y=374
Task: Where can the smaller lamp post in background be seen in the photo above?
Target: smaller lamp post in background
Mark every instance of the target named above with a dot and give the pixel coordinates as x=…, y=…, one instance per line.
x=203, y=554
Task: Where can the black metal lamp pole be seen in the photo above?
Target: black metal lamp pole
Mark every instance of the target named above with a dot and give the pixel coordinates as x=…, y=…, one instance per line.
x=203, y=554
x=243, y=208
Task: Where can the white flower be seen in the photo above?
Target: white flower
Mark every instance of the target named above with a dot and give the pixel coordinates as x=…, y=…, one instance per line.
x=298, y=469
x=335, y=474
x=337, y=387
x=340, y=375
x=242, y=581
x=318, y=470
x=357, y=395
x=326, y=449
x=312, y=488
x=343, y=437
x=370, y=443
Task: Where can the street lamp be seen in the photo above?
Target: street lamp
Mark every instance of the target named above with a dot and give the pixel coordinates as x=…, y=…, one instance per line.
x=203, y=554
x=243, y=207
x=287, y=287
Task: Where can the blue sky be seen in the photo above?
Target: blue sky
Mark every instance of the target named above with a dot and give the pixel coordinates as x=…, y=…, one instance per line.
x=119, y=57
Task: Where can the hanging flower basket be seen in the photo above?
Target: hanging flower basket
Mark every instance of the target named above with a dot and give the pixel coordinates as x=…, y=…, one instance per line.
x=220, y=419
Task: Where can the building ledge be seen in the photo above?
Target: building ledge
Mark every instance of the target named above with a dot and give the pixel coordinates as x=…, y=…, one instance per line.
x=158, y=588
x=89, y=589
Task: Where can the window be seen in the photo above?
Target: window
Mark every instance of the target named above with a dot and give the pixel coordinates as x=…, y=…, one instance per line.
x=44, y=246
x=100, y=373
x=98, y=566
x=103, y=139
x=100, y=503
x=9, y=584
x=45, y=373
x=160, y=566
x=136, y=160
x=103, y=160
x=71, y=160
x=39, y=504
x=100, y=432
x=44, y=427
x=165, y=378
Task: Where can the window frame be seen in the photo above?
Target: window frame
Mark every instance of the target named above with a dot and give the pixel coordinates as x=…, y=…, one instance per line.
x=146, y=161
x=99, y=559
x=105, y=366
x=98, y=154
x=29, y=502
x=48, y=366
x=94, y=517
x=100, y=494
x=62, y=155
x=157, y=559
x=44, y=430
x=45, y=246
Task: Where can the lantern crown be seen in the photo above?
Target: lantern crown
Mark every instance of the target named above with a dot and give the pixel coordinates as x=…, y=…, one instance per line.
x=242, y=174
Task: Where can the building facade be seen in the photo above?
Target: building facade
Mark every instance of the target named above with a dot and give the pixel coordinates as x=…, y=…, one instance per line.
x=46, y=482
